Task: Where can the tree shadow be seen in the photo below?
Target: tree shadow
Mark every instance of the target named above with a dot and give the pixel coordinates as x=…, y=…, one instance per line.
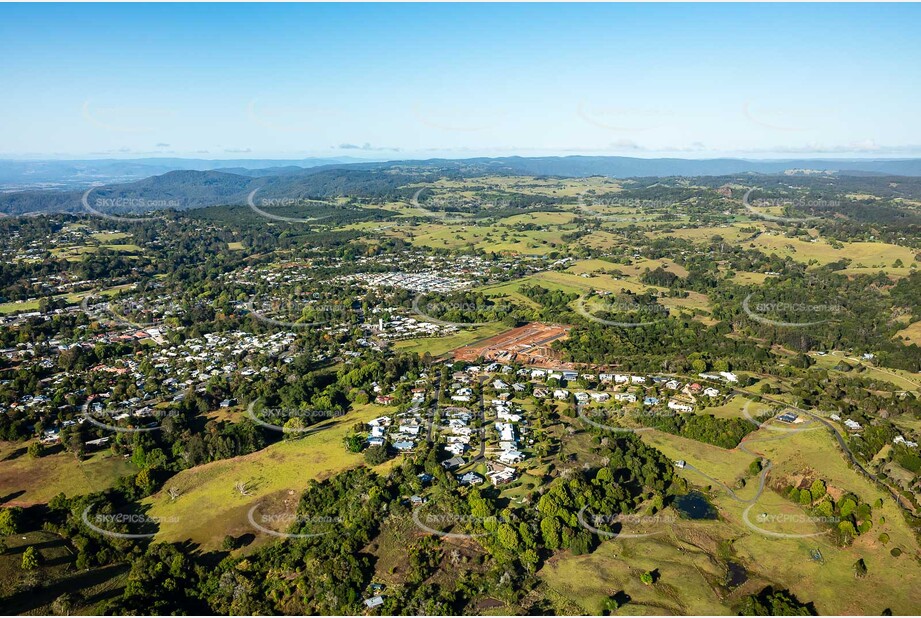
x=15, y=454
x=12, y=495
x=29, y=600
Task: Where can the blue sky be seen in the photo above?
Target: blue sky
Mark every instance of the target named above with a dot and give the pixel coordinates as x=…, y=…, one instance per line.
x=416, y=80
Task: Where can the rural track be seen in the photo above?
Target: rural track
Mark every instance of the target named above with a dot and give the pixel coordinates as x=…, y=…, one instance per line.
x=900, y=500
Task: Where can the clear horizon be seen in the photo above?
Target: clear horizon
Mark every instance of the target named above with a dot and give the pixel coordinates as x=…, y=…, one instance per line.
x=384, y=83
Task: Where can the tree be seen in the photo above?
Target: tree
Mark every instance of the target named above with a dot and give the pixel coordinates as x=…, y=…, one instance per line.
x=36, y=450
x=293, y=428
x=860, y=569
x=846, y=507
x=376, y=455
x=612, y=604
x=507, y=536
x=64, y=604
x=145, y=481
x=648, y=578
x=353, y=443
x=30, y=559
x=10, y=520
x=550, y=531
x=818, y=489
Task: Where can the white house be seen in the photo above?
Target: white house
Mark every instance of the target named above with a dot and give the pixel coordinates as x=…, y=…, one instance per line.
x=503, y=415
x=470, y=479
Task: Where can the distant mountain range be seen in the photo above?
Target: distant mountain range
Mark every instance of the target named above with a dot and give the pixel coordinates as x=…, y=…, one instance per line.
x=199, y=183
x=76, y=173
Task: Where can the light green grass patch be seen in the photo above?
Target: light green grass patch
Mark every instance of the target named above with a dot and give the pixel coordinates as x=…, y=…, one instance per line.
x=43, y=478
x=209, y=507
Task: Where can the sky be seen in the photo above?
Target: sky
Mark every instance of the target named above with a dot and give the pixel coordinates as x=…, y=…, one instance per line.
x=435, y=80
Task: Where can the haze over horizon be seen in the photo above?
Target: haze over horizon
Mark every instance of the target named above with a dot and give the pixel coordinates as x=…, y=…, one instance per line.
x=391, y=82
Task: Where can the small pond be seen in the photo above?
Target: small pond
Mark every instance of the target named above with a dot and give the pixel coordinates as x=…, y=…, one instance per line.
x=736, y=575
x=694, y=505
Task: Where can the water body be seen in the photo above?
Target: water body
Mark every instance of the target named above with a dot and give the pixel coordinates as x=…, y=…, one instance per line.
x=694, y=505
x=736, y=575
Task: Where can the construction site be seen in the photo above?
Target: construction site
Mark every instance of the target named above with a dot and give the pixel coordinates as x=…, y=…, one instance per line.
x=528, y=345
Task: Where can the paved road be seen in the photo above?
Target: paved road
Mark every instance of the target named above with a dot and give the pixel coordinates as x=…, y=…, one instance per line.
x=482, y=411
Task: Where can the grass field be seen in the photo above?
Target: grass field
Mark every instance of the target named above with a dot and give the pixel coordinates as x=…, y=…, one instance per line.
x=687, y=576
x=784, y=562
x=56, y=575
x=497, y=238
x=899, y=378
x=107, y=237
x=32, y=304
x=731, y=409
x=25, y=481
x=730, y=233
x=891, y=580
x=722, y=464
x=75, y=253
x=209, y=507
x=749, y=278
x=911, y=334
x=630, y=270
x=569, y=282
x=872, y=255
x=437, y=346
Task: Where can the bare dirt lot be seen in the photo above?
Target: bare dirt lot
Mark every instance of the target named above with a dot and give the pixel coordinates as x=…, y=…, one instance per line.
x=528, y=344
